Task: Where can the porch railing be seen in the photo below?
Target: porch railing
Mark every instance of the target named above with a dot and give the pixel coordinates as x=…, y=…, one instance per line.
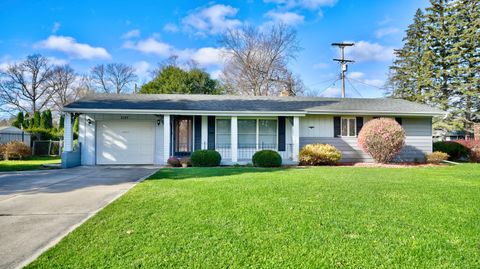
x=245, y=152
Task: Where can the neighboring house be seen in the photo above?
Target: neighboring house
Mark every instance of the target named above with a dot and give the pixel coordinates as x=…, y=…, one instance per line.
x=12, y=133
x=147, y=129
x=449, y=136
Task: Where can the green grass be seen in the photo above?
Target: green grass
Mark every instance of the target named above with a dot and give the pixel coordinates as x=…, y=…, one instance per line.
x=32, y=163
x=275, y=218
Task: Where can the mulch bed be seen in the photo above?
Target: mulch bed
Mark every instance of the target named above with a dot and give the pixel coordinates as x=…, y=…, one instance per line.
x=391, y=165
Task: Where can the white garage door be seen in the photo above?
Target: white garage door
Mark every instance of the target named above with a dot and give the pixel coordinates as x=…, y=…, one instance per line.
x=125, y=142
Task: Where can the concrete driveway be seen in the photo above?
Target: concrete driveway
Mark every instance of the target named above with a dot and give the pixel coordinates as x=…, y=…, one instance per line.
x=38, y=208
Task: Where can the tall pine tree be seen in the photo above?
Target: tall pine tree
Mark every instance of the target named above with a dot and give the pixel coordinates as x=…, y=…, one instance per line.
x=439, y=61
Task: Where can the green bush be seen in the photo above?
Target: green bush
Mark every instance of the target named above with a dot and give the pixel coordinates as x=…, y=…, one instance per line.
x=455, y=150
x=319, y=154
x=437, y=157
x=267, y=158
x=205, y=158
x=45, y=134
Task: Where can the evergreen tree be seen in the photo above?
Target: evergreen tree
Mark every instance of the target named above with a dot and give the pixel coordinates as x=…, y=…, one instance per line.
x=439, y=61
x=19, y=120
x=37, y=118
x=43, y=119
x=408, y=73
x=173, y=79
x=466, y=58
x=46, y=119
x=26, y=121
x=61, y=121
x=75, y=126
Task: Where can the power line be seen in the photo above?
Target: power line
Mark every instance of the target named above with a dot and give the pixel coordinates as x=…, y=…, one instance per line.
x=359, y=81
x=333, y=83
x=353, y=87
x=321, y=82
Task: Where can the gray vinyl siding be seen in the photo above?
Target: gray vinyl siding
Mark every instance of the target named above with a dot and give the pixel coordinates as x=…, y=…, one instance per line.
x=418, y=142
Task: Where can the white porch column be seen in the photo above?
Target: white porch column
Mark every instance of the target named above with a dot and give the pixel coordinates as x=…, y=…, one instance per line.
x=68, y=133
x=204, y=132
x=166, y=137
x=234, y=139
x=296, y=138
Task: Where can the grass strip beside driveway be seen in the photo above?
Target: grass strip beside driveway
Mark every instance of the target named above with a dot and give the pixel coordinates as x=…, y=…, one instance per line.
x=31, y=163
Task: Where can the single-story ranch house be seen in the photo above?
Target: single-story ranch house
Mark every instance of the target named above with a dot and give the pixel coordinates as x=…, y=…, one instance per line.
x=147, y=129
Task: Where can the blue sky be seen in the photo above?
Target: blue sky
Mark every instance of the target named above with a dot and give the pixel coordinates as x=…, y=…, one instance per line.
x=143, y=33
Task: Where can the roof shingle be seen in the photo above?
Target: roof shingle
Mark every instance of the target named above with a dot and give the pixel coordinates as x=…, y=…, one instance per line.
x=217, y=103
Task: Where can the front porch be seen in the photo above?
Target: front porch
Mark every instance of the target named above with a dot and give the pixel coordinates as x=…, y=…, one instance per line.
x=236, y=138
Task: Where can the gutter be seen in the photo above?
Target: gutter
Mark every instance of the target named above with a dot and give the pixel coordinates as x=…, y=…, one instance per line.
x=250, y=113
x=184, y=112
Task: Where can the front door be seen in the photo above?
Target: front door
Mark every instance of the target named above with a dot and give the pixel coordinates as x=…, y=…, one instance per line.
x=182, y=135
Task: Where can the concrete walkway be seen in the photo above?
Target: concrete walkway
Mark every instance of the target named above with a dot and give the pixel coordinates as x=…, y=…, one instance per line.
x=38, y=208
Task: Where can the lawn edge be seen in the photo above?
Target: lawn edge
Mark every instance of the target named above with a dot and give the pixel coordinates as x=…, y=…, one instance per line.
x=63, y=234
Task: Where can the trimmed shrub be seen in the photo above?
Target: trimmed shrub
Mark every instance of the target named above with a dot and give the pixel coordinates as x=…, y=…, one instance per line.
x=267, y=158
x=16, y=150
x=185, y=161
x=205, y=158
x=455, y=150
x=437, y=157
x=173, y=161
x=473, y=147
x=319, y=154
x=45, y=134
x=382, y=138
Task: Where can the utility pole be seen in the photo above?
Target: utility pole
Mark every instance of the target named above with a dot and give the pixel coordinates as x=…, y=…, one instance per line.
x=343, y=63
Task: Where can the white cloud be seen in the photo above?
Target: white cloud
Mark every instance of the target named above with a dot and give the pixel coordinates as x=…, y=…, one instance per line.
x=288, y=18
x=356, y=75
x=364, y=51
x=375, y=82
x=72, y=48
x=150, y=46
x=212, y=20
x=308, y=4
x=206, y=56
x=142, y=69
x=56, y=27
x=131, y=34
x=215, y=74
x=331, y=92
x=170, y=27
x=209, y=56
x=4, y=66
x=386, y=31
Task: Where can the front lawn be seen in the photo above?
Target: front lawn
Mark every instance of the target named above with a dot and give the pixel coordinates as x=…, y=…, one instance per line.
x=277, y=218
x=31, y=163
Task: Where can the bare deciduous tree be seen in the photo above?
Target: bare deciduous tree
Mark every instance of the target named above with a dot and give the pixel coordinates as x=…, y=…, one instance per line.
x=115, y=77
x=24, y=86
x=257, y=60
x=63, y=81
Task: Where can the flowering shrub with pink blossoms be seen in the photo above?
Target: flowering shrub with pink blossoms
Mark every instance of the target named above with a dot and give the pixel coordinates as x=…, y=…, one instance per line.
x=382, y=138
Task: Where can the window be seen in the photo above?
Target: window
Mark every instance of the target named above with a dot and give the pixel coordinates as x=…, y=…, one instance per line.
x=257, y=133
x=247, y=133
x=267, y=133
x=223, y=132
x=349, y=127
